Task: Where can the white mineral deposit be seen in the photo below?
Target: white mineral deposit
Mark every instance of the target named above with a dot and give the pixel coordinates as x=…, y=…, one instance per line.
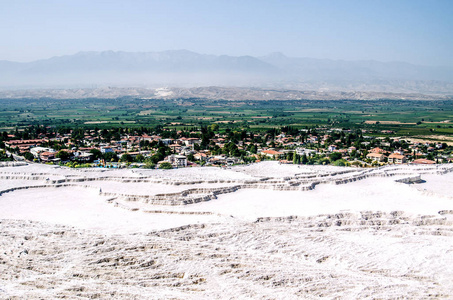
x=263, y=231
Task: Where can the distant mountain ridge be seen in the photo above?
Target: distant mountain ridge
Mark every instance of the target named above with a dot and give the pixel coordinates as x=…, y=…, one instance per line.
x=189, y=69
x=325, y=69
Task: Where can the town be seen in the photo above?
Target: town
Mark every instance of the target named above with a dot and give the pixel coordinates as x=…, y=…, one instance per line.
x=210, y=145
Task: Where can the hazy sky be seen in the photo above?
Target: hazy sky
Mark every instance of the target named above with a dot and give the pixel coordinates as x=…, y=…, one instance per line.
x=414, y=31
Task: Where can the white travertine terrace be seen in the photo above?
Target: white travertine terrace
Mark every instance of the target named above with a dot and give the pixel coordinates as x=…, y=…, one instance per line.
x=264, y=231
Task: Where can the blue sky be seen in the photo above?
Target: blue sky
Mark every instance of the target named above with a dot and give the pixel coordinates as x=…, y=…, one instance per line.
x=414, y=31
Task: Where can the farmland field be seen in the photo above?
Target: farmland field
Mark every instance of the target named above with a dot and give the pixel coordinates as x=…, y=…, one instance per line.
x=403, y=118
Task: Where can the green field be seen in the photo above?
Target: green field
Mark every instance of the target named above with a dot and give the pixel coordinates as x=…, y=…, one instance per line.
x=407, y=118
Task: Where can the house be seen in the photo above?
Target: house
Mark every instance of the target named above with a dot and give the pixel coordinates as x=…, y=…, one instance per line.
x=217, y=160
x=146, y=137
x=422, y=161
x=175, y=147
x=332, y=148
x=136, y=153
x=396, y=158
x=379, y=157
x=179, y=161
x=377, y=150
x=167, y=141
x=200, y=156
x=307, y=152
x=184, y=150
x=29, y=143
x=47, y=156
x=231, y=161
x=272, y=153
x=36, y=151
x=106, y=150
x=83, y=156
x=352, y=148
x=399, y=151
x=192, y=141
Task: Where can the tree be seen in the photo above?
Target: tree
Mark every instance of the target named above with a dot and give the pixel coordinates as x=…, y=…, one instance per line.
x=157, y=157
x=4, y=156
x=127, y=158
x=190, y=157
x=139, y=158
x=165, y=165
x=63, y=155
x=253, y=149
x=288, y=156
x=28, y=156
x=149, y=164
x=231, y=149
x=295, y=158
x=323, y=161
x=335, y=156
x=96, y=153
x=304, y=159
x=236, y=153
x=340, y=163
x=110, y=156
x=356, y=164
x=214, y=127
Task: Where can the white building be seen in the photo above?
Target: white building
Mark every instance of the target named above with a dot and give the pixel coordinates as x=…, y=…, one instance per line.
x=38, y=150
x=179, y=161
x=307, y=152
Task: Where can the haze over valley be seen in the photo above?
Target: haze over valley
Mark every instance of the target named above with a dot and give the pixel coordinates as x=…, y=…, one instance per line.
x=187, y=69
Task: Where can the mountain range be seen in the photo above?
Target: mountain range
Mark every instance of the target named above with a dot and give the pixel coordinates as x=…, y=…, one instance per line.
x=183, y=68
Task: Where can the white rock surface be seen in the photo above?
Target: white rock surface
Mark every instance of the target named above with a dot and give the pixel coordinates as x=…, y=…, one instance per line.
x=255, y=233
